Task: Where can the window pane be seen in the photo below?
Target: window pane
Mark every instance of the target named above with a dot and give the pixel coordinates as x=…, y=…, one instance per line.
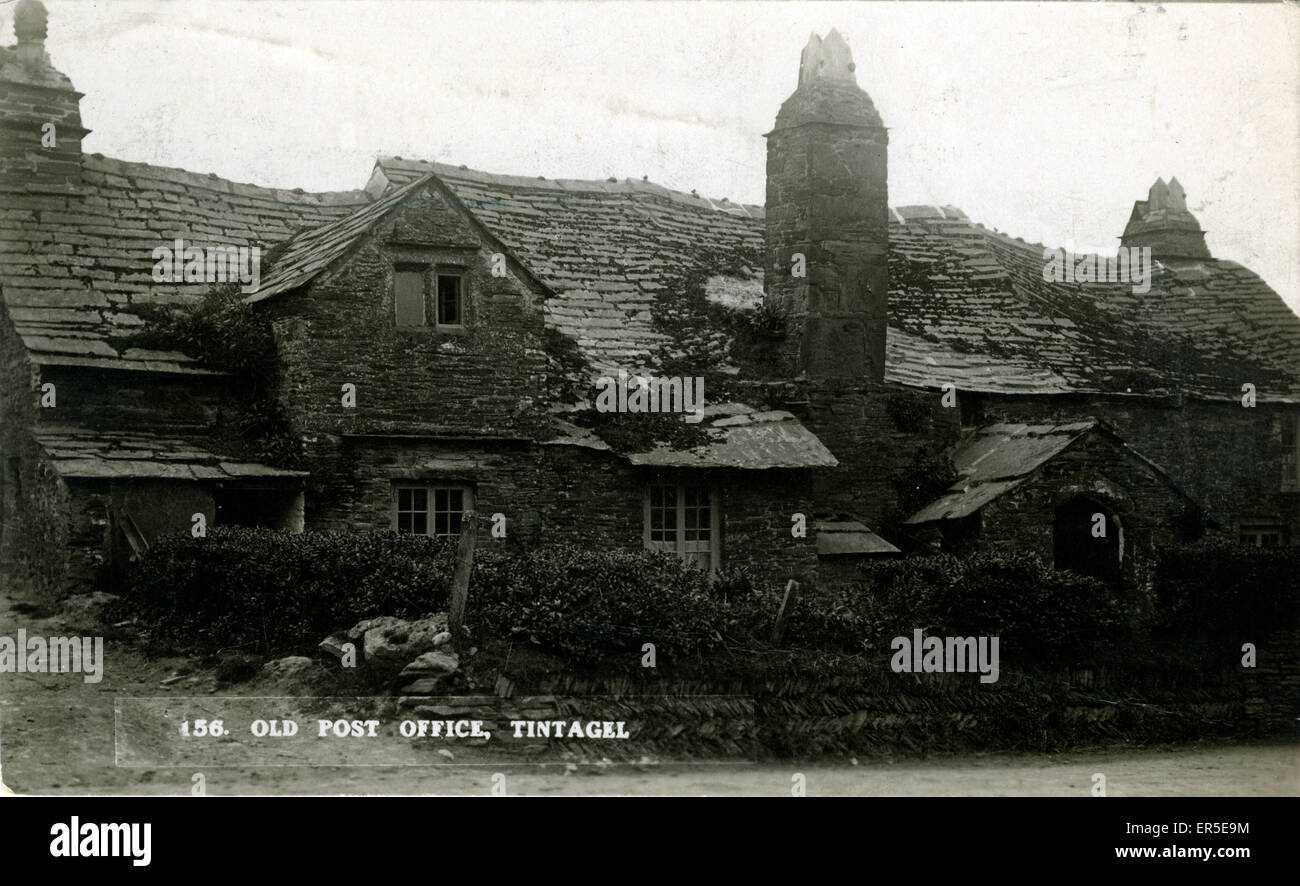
x=449, y=301
x=420, y=523
x=448, y=510
x=408, y=298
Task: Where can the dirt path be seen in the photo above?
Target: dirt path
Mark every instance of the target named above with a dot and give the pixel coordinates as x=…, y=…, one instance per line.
x=57, y=737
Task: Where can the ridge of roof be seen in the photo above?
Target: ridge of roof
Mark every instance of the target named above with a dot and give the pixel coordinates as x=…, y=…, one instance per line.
x=210, y=181
x=312, y=250
x=568, y=185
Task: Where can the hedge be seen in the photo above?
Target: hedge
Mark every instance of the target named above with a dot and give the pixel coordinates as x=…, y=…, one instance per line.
x=270, y=591
x=273, y=591
x=1217, y=590
x=1037, y=613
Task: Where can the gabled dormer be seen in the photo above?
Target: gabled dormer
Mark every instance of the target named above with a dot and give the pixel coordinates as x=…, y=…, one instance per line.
x=409, y=301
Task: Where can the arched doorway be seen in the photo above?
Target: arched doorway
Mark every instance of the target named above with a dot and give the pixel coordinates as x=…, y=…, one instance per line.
x=1088, y=537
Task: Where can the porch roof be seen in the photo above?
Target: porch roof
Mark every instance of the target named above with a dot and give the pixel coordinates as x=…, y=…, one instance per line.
x=87, y=454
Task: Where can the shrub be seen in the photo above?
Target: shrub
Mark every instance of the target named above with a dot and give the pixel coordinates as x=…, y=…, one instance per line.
x=270, y=590
x=1217, y=587
x=273, y=591
x=587, y=604
x=1037, y=613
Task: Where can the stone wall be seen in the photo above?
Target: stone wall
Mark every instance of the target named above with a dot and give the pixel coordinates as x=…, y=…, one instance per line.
x=878, y=432
x=1150, y=512
x=1227, y=457
x=486, y=379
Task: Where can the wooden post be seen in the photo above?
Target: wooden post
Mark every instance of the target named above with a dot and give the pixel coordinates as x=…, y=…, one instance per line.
x=783, y=614
x=460, y=581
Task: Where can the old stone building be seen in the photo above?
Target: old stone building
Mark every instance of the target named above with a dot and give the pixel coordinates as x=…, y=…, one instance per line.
x=887, y=377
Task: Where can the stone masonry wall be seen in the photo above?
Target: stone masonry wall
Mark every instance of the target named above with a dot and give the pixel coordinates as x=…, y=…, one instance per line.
x=826, y=199
x=1149, y=510
x=486, y=379
x=1224, y=455
x=877, y=432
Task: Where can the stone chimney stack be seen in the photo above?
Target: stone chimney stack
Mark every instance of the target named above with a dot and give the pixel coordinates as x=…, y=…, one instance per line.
x=40, y=113
x=1162, y=222
x=827, y=201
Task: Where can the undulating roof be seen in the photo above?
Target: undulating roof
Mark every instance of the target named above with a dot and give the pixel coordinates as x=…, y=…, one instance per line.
x=97, y=454
x=968, y=306
x=76, y=269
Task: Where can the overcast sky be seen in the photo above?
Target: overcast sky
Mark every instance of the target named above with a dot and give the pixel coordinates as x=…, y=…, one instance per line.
x=1044, y=121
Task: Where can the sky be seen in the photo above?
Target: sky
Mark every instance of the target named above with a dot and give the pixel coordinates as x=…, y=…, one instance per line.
x=1044, y=121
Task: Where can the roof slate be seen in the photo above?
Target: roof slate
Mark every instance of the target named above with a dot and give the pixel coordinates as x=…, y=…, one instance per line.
x=995, y=460
x=850, y=537
x=968, y=306
x=95, y=454
x=77, y=268
x=747, y=439
x=312, y=251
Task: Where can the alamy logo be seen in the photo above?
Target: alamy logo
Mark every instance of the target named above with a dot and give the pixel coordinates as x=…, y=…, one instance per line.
x=946, y=655
x=90, y=840
x=55, y=655
x=179, y=263
x=650, y=394
x=1131, y=264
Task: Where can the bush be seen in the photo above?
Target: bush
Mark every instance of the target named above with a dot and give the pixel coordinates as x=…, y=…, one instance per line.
x=271, y=590
x=587, y=604
x=1038, y=613
x=1216, y=589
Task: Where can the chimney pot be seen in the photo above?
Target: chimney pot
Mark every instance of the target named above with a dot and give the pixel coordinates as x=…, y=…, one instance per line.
x=30, y=25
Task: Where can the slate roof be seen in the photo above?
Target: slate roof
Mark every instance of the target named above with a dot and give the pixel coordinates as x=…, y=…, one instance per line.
x=315, y=249
x=995, y=460
x=606, y=249
x=744, y=438
x=849, y=537
x=968, y=305
x=748, y=438
x=76, y=268
x=96, y=454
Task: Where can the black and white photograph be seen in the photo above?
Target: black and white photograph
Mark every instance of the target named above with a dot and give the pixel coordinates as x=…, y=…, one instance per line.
x=629, y=399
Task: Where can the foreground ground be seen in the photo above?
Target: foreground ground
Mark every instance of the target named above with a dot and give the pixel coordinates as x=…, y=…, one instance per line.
x=57, y=736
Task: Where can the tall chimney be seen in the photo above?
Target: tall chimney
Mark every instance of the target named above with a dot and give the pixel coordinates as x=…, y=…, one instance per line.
x=40, y=112
x=827, y=201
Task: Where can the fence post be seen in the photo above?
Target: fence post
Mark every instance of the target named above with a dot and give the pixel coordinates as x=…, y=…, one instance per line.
x=783, y=614
x=460, y=581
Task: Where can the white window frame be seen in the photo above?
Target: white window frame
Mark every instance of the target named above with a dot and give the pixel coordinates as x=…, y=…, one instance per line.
x=689, y=551
x=431, y=489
